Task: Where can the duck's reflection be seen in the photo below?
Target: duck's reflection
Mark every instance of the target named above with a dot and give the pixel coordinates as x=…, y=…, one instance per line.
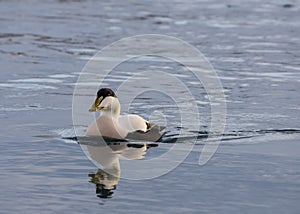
x=107, y=157
x=104, y=182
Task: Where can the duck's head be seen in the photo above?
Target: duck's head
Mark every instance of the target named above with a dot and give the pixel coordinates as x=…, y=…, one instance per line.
x=106, y=100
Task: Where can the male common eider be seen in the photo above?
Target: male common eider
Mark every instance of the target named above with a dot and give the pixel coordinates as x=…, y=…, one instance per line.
x=113, y=125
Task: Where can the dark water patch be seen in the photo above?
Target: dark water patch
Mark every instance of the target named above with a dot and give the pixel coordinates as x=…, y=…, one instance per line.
x=27, y=35
x=287, y=5
x=22, y=54
x=70, y=1
x=10, y=35
x=145, y=16
x=181, y=139
x=283, y=131
x=60, y=93
x=235, y=135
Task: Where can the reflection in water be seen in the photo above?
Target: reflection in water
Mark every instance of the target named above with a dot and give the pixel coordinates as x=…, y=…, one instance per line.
x=107, y=155
x=104, y=182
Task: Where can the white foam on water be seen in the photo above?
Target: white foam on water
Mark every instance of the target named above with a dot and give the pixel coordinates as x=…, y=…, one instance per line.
x=61, y=76
x=37, y=80
x=26, y=86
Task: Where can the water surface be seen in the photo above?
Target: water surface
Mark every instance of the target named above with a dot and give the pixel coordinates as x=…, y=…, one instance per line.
x=254, y=47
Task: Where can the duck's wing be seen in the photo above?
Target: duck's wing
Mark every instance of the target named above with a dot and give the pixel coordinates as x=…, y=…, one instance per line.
x=140, y=129
x=152, y=134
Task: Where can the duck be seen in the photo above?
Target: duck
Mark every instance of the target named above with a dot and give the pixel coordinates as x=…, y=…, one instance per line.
x=112, y=124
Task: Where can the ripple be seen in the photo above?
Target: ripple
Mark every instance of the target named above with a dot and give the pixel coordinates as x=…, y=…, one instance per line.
x=37, y=80
x=281, y=75
x=61, y=76
x=26, y=108
x=26, y=86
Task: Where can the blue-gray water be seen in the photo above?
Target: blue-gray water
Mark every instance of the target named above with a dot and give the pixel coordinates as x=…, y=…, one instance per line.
x=255, y=48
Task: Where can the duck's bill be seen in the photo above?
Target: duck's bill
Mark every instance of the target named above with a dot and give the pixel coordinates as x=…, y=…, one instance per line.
x=93, y=108
x=96, y=105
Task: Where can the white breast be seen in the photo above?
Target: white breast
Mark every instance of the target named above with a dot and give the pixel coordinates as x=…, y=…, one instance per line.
x=106, y=126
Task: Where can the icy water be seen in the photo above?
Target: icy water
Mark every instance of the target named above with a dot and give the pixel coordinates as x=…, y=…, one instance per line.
x=255, y=48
